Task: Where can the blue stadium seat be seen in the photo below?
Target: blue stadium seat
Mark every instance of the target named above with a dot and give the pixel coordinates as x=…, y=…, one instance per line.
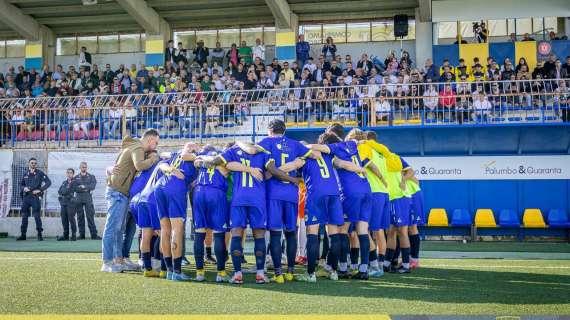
x=515, y=119
x=509, y=218
x=430, y=120
x=550, y=118
x=532, y=118
x=557, y=218
x=498, y=119
x=461, y=218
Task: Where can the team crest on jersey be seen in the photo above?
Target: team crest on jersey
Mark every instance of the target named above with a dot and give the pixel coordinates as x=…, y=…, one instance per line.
x=279, y=146
x=239, y=152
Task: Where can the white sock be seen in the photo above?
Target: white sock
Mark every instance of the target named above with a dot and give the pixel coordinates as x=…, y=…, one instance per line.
x=343, y=266
x=387, y=263
x=328, y=268
x=374, y=264
x=363, y=268
x=354, y=266
x=237, y=273
x=260, y=272
x=406, y=265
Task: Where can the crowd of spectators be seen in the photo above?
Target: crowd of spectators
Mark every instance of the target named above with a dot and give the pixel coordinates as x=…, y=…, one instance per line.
x=219, y=83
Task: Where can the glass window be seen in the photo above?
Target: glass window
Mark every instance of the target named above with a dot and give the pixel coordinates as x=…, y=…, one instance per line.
x=250, y=34
x=66, y=46
x=143, y=42
x=188, y=39
x=210, y=37
x=551, y=24
x=358, y=32
x=467, y=29
x=89, y=42
x=130, y=43
x=15, y=48
x=2, y=49
x=537, y=26
x=227, y=37
x=510, y=26
x=269, y=36
x=383, y=31
x=313, y=33
x=109, y=44
x=524, y=26
x=447, y=30
x=336, y=31
x=497, y=28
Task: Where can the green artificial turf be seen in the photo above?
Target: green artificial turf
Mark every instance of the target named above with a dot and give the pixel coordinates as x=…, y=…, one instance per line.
x=71, y=283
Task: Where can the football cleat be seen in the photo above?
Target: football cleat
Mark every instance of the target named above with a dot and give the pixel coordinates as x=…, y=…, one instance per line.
x=261, y=279
x=169, y=275
x=343, y=275
x=151, y=274
x=237, y=279
x=376, y=272
x=278, y=279
x=162, y=274
x=311, y=278
x=200, y=275
x=222, y=276
x=402, y=270
x=333, y=276
x=360, y=276
x=322, y=273
x=289, y=276
x=414, y=264
x=180, y=277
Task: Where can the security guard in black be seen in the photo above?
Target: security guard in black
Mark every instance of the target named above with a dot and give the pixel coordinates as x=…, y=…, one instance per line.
x=32, y=188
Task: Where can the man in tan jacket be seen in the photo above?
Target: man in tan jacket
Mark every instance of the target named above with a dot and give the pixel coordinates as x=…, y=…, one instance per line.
x=130, y=160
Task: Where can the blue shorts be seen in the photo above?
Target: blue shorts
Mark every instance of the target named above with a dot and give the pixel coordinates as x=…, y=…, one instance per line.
x=357, y=207
x=400, y=212
x=170, y=205
x=417, y=213
x=282, y=215
x=325, y=209
x=241, y=216
x=148, y=215
x=380, y=217
x=210, y=209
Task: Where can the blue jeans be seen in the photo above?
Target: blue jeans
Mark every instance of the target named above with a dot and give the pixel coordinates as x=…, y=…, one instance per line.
x=117, y=204
x=130, y=229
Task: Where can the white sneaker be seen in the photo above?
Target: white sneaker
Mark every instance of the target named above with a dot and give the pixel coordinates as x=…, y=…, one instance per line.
x=250, y=270
x=118, y=268
x=140, y=263
x=128, y=265
x=107, y=267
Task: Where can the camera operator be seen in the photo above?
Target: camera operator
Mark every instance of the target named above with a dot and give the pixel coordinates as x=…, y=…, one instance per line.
x=480, y=31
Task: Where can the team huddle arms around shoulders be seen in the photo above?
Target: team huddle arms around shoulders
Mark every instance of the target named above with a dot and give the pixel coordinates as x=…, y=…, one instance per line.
x=362, y=201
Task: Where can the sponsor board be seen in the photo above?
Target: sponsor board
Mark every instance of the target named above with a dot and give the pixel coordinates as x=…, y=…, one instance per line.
x=492, y=167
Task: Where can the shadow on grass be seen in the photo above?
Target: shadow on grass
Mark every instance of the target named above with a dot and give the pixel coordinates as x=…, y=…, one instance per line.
x=439, y=286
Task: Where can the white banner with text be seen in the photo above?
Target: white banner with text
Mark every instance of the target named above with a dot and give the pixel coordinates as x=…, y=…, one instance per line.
x=5, y=182
x=491, y=167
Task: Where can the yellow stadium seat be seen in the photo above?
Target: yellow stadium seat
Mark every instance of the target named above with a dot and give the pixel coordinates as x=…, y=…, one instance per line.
x=437, y=218
x=414, y=121
x=484, y=218
x=320, y=124
x=296, y=124
x=400, y=121
x=350, y=123
x=533, y=218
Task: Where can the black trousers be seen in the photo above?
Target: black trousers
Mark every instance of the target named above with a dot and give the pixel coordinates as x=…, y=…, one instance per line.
x=34, y=203
x=68, y=219
x=84, y=208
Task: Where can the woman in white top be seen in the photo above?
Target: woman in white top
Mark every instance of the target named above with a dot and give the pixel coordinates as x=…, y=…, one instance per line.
x=431, y=98
x=482, y=107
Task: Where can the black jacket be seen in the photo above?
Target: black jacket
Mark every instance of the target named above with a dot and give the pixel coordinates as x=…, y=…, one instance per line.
x=66, y=192
x=36, y=180
x=84, y=183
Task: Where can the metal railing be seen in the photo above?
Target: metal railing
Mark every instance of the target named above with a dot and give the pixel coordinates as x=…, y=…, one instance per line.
x=88, y=121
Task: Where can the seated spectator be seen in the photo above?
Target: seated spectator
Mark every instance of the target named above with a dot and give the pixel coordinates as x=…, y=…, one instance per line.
x=558, y=72
x=447, y=101
x=482, y=107
x=462, y=69
x=527, y=37
x=329, y=49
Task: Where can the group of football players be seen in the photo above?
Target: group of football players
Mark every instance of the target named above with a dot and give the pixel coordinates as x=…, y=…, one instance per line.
x=359, y=211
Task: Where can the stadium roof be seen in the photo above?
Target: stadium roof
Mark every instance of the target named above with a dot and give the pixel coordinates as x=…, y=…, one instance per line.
x=73, y=17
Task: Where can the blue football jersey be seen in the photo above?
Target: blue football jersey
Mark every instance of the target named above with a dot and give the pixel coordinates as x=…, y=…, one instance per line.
x=283, y=150
x=352, y=182
x=140, y=181
x=247, y=191
x=174, y=184
x=320, y=177
x=212, y=177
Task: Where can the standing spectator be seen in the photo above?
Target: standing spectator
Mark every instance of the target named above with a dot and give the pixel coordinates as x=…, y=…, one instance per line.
x=218, y=54
x=32, y=188
x=552, y=36
x=513, y=37
x=181, y=56
x=233, y=56
x=130, y=160
x=201, y=53
x=67, y=208
x=302, y=49
x=84, y=59
x=245, y=54
x=364, y=64
x=527, y=37
x=84, y=184
x=259, y=50
x=329, y=49
x=169, y=52
x=550, y=65
x=567, y=65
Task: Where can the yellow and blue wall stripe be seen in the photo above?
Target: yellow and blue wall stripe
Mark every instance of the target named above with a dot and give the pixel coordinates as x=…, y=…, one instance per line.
x=33, y=56
x=285, y=46
x=499, y=51
x=154, y=52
